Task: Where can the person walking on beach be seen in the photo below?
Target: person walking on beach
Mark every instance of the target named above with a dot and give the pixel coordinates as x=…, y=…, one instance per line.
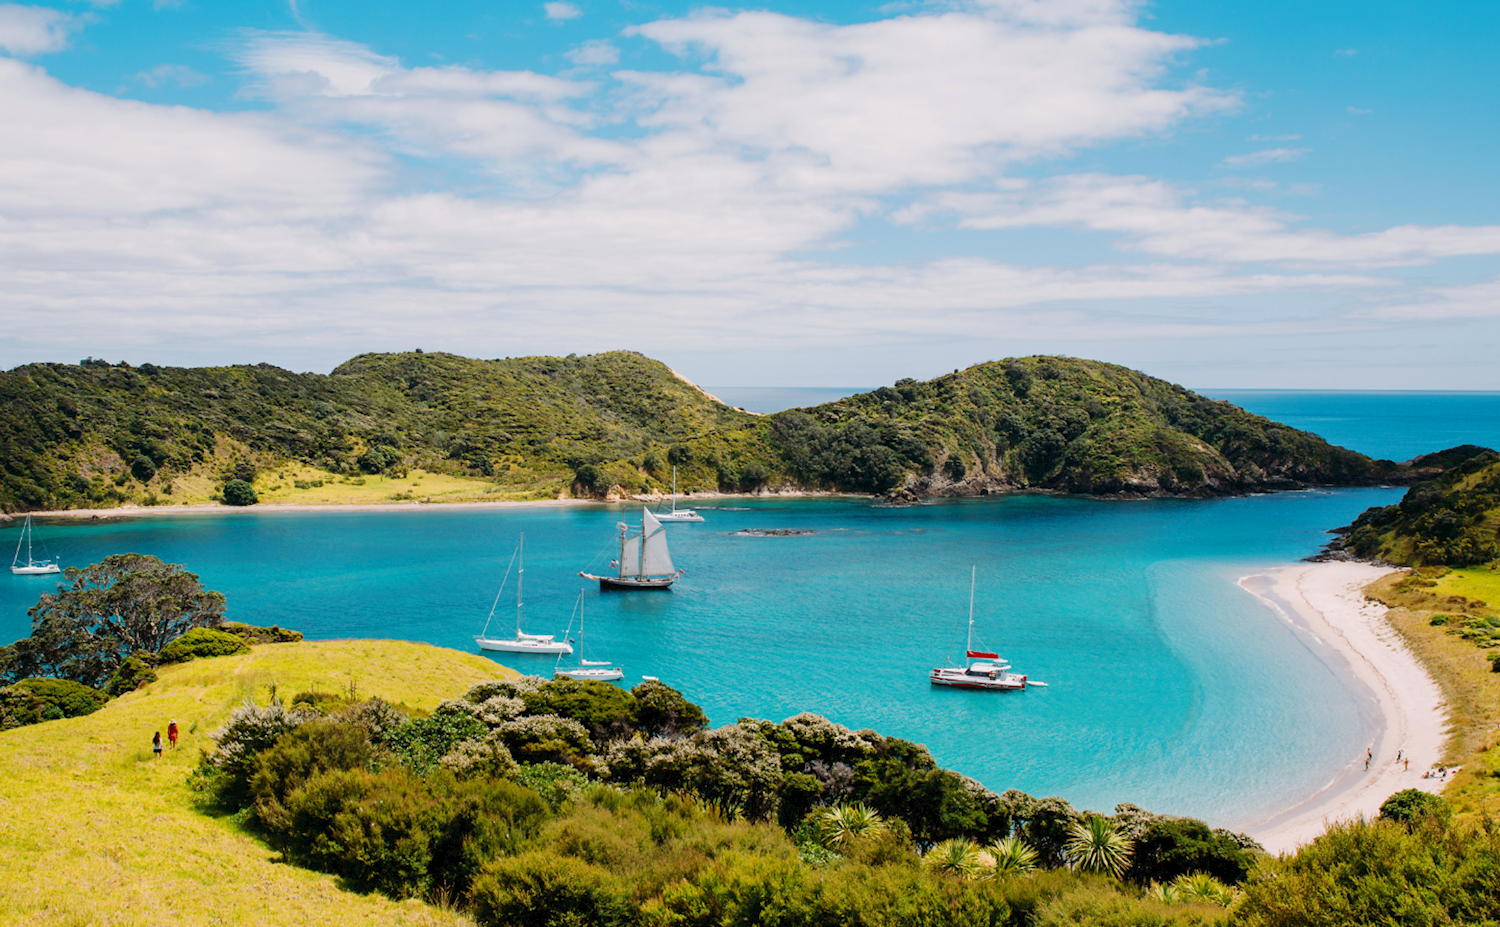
x=1406, y=764
x=156, y=746
x=172, y=734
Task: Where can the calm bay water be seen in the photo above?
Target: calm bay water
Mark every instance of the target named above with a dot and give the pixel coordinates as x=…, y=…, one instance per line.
x=1171, y=687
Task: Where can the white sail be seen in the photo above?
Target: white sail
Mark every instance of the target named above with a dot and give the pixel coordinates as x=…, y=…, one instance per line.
x=630, y=557
x=655, y=561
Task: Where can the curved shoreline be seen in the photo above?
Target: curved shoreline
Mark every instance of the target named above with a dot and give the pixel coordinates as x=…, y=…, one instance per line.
x=1325, y=602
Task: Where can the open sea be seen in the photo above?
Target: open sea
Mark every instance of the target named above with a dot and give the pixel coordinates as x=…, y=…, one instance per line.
x=1170, y=686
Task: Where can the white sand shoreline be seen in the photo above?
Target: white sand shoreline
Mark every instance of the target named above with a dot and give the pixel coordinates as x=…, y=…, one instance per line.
x=1325, y=602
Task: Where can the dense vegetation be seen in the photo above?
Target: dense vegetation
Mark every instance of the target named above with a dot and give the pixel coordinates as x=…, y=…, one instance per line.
x=559, y=803
x=1450, y=520
x=97, y=434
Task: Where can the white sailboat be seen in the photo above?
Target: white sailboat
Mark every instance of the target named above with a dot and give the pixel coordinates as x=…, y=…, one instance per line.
x=522, y=642
x=31, y=567
x=981, y=669
x=677, y=514
x=644, y=562
x=600, y=670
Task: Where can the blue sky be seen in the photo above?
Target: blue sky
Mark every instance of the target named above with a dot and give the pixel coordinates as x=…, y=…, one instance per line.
x=1269, y=195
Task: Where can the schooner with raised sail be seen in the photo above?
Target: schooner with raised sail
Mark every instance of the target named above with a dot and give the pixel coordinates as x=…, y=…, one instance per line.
x=644, y=562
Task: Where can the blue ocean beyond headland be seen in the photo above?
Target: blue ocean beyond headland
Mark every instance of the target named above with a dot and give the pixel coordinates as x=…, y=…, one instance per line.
x=1171, y=687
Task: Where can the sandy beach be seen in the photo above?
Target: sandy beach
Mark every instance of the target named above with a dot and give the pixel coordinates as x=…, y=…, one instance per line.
x=1325, y=602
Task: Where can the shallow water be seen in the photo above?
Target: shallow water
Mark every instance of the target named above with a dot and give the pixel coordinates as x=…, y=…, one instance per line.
x=1170, y=686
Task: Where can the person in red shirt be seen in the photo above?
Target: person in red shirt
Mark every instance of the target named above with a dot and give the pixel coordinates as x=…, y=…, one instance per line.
x=172, y=733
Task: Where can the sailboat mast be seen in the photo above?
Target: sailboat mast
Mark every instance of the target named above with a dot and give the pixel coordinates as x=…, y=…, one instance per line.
x=973, y=570
x=674, y=490
x=520, y=577
x=640, y=556
x=26, y=536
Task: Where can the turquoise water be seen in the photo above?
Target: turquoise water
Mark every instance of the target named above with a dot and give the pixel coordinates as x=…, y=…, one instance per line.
x=1394, y=426
x=1170, y=686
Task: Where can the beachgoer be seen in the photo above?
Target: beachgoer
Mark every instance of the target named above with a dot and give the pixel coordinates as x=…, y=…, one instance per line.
x=1370, y=753
x=172, y=733
x=156, y=746
x=1367, y=764
x=1398, y=755
x=1406, y=764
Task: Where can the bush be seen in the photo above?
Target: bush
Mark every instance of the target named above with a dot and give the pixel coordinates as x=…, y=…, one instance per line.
x=254, y=635
x=142, y=468
x=225, y=774
x=661, y=710
x=132, y=674
x=239, y=492
x=606, y=711
x=540, y=889
x=203, y=642
x=69, y=699
x=1411, y=806
x=422, y=742
x=1171, y=847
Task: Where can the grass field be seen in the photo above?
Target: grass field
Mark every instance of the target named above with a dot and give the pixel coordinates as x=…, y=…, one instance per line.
x=94, y=831
x=1482, y=583
x=1462, y=670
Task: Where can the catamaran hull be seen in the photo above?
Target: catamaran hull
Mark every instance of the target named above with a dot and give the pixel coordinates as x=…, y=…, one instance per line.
x=962, y=680
x=523, y=646
x=37, y=570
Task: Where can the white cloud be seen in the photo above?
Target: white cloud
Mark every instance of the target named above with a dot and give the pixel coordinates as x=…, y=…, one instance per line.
x=1160, y=219
x=594, y=53
x=179, y=75
x=708, y=202
x=561, y=11
x=1269, y=156
x=1468, y=301
x=919, y=100
x=33, y=30
x=1360, y=112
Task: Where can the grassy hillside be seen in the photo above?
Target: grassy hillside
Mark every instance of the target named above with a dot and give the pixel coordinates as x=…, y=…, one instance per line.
x=437, y=427
x=94, y=831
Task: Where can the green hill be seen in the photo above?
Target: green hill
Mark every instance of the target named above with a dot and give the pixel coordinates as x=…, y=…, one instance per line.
x=98, y=435
x=1450, y=520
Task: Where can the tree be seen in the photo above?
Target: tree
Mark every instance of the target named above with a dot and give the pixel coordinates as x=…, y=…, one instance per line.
x=127, y=604
x=239, y=492
x=1410, y=806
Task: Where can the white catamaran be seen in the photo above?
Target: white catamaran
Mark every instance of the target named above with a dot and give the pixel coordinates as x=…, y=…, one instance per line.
x=677, y=514
x=31, y=567
x=600, y=670
x=521, y=643
x=981, y=669
x=644, y=562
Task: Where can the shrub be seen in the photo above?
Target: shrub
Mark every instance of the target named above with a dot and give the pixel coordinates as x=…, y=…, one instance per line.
x=1411, y=806
x=661, y=710
x=203, y=642
x=254, y=635
x=69, y=699
x=422, y=742
x=142, y=468
x=546, y=739
x=239, y=492
x=1102, y=906
x=605, y=711
x=226, y=773
x=540, y=889
x=315, y=747
x=132, y=674
x=1094, y=845
x=1171, y=847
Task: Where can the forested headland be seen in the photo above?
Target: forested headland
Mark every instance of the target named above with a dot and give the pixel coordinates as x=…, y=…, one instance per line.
x=97, y=434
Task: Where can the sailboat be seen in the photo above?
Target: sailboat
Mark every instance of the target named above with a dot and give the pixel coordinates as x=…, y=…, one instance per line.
x=601, y=670
x=677, y=514
x=522, y=642
x=31, y=567
x=981, y=669
x=644, y=562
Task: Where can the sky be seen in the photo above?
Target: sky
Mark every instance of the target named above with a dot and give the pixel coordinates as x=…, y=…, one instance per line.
x=807, y=193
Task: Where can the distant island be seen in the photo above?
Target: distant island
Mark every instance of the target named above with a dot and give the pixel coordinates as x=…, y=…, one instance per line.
x=415, y=427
